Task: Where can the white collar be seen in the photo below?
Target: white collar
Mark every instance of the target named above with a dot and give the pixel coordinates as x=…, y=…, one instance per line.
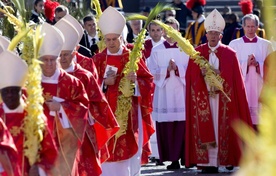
x=71, y=68
x=214, y=48
x=35, y=13
x=120, y=52
x=19, y=109
x=53, y=79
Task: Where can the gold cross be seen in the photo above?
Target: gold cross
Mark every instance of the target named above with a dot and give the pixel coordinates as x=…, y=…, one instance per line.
x=15, y=130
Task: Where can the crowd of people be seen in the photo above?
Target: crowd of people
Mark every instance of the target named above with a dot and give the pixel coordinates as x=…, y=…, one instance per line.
x=175, y=114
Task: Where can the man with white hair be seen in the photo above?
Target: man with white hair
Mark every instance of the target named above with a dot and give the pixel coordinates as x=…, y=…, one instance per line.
x=127, y=151
x=210, y=139
x=251, y=52
x=65, y=103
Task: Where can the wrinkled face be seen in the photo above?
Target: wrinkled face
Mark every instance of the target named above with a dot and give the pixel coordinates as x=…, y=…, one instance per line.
x=250, y=28
x=39, y=7
x=155, y=32
x=66, y=58
x=113, y=42
x=59, y=15
x=213, y=38
x=49, y=65
x=11, y=96
x=90, y=27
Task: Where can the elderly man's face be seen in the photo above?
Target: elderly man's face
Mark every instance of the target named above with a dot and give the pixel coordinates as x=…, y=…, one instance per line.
x=49, y=65
x=66, y=58
x=113, y=42
x=250, y=28
x=213, y=38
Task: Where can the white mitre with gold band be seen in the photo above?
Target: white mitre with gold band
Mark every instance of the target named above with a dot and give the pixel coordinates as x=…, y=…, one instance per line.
x=52, y=41
x=71, y=35
x=76, y=25
x=4, y=43
x=13, y=70
x=214, y=22
x=112, y=21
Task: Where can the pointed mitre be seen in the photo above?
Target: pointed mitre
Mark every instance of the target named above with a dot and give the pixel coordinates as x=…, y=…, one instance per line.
x=13, y=70
x=4, y=43
x=70, y=34
x=112, y=21
x=214, y=22
x=52, y=41
x=76, y=25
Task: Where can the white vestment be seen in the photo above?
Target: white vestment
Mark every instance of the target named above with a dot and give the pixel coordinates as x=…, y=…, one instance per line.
x=253, y=80
x=169, y=93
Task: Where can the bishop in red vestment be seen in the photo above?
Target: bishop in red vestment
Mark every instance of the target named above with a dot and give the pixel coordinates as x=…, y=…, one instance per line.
x=12, y=112
x=125, y=155
x=101, y=124
x=211, y=139
x=66, y=103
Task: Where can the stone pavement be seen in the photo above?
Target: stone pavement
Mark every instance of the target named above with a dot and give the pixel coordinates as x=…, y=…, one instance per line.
x=151, y=170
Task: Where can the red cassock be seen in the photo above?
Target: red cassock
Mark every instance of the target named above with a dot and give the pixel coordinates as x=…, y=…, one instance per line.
x=75, y=104
x=48, y=151
x=88, y=64
x=199, y=125
x=8, y=148
x=105, y=125
x=127, y=145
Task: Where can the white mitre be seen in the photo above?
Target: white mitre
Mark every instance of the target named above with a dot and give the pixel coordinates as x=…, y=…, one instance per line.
x=13, y=70
x=52, y=41
x=71, y=35
x=76, y=25
x=112, y=21
x=214, y=22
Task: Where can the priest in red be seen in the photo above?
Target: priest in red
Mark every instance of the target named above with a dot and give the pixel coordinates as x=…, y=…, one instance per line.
x=125, y=157
x=210, y=139
x=65, y=105
x=12, y=112
x=84, y=61
x=102, y=124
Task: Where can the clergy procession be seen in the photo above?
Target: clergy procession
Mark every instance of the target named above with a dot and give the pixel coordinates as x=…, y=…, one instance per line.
x=106, y=94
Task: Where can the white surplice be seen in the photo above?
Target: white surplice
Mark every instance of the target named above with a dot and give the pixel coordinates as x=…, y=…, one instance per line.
x=169, y=93
x=253, y=80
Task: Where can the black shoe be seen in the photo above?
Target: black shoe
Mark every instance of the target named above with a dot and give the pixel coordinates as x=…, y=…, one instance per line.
x=229, y=168
x=209, y=170
x=175, y=165
x=158, y=162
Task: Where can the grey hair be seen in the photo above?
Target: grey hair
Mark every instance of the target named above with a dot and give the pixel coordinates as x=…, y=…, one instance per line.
x=251, y=17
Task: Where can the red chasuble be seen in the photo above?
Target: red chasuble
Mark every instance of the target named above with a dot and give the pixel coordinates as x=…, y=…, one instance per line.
x=199, y=128
x=126, y=145
x=88, y=64
x=48, y=151
x=75, y=106
x=105, y=125
x=8, y=148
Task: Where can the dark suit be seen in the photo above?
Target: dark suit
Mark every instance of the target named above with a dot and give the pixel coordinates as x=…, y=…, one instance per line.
x=85, y=48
